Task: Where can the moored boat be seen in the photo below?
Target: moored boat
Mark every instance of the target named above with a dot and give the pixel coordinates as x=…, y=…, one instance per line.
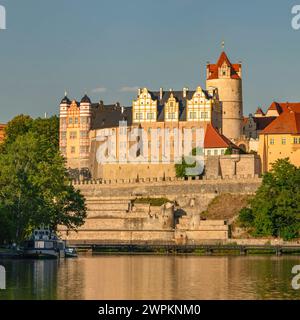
x=70, y=253
x=44, y=243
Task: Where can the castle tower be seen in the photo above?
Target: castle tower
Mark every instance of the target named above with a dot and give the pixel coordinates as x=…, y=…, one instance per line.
x=63, y=114
x=227, y=78
x=85, y=127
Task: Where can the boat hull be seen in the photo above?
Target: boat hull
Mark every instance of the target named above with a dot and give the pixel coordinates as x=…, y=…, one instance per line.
x=42, y=254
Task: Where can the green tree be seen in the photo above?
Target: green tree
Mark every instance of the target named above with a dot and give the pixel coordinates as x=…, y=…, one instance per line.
x=34, y=185
x=190, y=161
x=228, y=151
x=275, y=209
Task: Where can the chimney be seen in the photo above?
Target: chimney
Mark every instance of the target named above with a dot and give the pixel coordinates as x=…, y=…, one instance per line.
x=185, y=90
x=207, y=70
x=240, y=70
x=161, y=91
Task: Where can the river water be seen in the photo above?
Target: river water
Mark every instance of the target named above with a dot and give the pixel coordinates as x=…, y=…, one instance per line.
x=152, y=277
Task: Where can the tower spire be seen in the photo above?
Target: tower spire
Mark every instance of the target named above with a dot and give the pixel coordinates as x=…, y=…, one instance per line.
x=223, y=45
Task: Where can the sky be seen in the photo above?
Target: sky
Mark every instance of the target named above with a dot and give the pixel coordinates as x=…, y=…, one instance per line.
x=109, y=48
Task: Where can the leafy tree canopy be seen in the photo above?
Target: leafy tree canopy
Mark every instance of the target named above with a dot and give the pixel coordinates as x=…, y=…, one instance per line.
x=34, y=185
x=190, y=162
x=275, y=209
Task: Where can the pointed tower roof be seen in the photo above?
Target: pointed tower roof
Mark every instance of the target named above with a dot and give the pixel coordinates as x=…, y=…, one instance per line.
x=223, y=58
x=85, y=99
x=259, y=112
x=65, y=100
x=213, y=69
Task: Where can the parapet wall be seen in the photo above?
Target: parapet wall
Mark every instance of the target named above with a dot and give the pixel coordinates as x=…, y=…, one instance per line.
x=172, y=188
x=113, y=217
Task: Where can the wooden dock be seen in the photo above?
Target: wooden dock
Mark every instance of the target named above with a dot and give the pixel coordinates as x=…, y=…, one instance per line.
x=205, y=249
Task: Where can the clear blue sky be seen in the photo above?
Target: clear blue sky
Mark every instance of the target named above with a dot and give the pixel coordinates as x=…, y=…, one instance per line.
x=103, y=46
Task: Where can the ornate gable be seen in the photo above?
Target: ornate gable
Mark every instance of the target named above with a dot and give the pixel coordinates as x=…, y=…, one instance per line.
x=171, y=109
x=144, y=108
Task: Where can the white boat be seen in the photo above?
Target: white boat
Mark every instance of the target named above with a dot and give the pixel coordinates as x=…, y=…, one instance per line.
x=44, y=243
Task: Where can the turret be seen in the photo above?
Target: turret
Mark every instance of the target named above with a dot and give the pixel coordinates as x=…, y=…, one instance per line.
x=85, y=126
x=63, y=113
x=227, y=78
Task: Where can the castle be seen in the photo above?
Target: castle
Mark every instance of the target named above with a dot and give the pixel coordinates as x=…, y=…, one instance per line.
x=91, y=132
x=109, y=153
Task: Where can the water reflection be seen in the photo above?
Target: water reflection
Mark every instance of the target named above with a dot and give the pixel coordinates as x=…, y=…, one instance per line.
x=151, y=277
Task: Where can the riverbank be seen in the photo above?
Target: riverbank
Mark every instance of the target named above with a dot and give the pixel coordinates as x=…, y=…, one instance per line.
x=203, y=249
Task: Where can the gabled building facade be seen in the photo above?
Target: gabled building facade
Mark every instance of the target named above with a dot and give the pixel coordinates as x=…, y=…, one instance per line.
x=281, y=138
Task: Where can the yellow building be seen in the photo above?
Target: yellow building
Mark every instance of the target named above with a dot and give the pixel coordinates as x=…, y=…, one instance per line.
x=90, y=131
x=281, y=138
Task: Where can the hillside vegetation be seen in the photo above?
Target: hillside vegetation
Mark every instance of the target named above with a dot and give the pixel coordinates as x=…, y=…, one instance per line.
x=225, y=206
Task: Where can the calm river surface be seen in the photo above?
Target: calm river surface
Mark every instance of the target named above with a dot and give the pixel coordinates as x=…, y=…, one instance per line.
x=152, y=277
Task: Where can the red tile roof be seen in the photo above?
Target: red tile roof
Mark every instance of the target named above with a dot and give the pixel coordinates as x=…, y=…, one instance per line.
x=287, y=122
x=259, y=111
x=213, y=139
x=213, y=68
x=284, y=106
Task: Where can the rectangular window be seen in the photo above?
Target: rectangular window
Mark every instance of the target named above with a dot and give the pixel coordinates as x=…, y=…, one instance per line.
x=272, y=141
x=70, y=120
x=63, y=150
x=171, y=115
x=84, y=149
x=63, y=120
x=222, y=152
x=283, y=140
x=204, y=115
x=150, y=116
x=208, y=152
x=139, y=116
x=193, y=115
x=73, y=149
x=84, y=134
x=296, y=140
x=83, y=120
x=63, y=135
x=76, y=120
x=215, y=152
x=73, y=135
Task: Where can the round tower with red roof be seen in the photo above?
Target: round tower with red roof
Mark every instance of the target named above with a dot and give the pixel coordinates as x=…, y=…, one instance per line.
x=227, y=78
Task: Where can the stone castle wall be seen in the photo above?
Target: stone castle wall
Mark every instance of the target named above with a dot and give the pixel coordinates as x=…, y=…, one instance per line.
x=225, y=165
x=113, y=215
